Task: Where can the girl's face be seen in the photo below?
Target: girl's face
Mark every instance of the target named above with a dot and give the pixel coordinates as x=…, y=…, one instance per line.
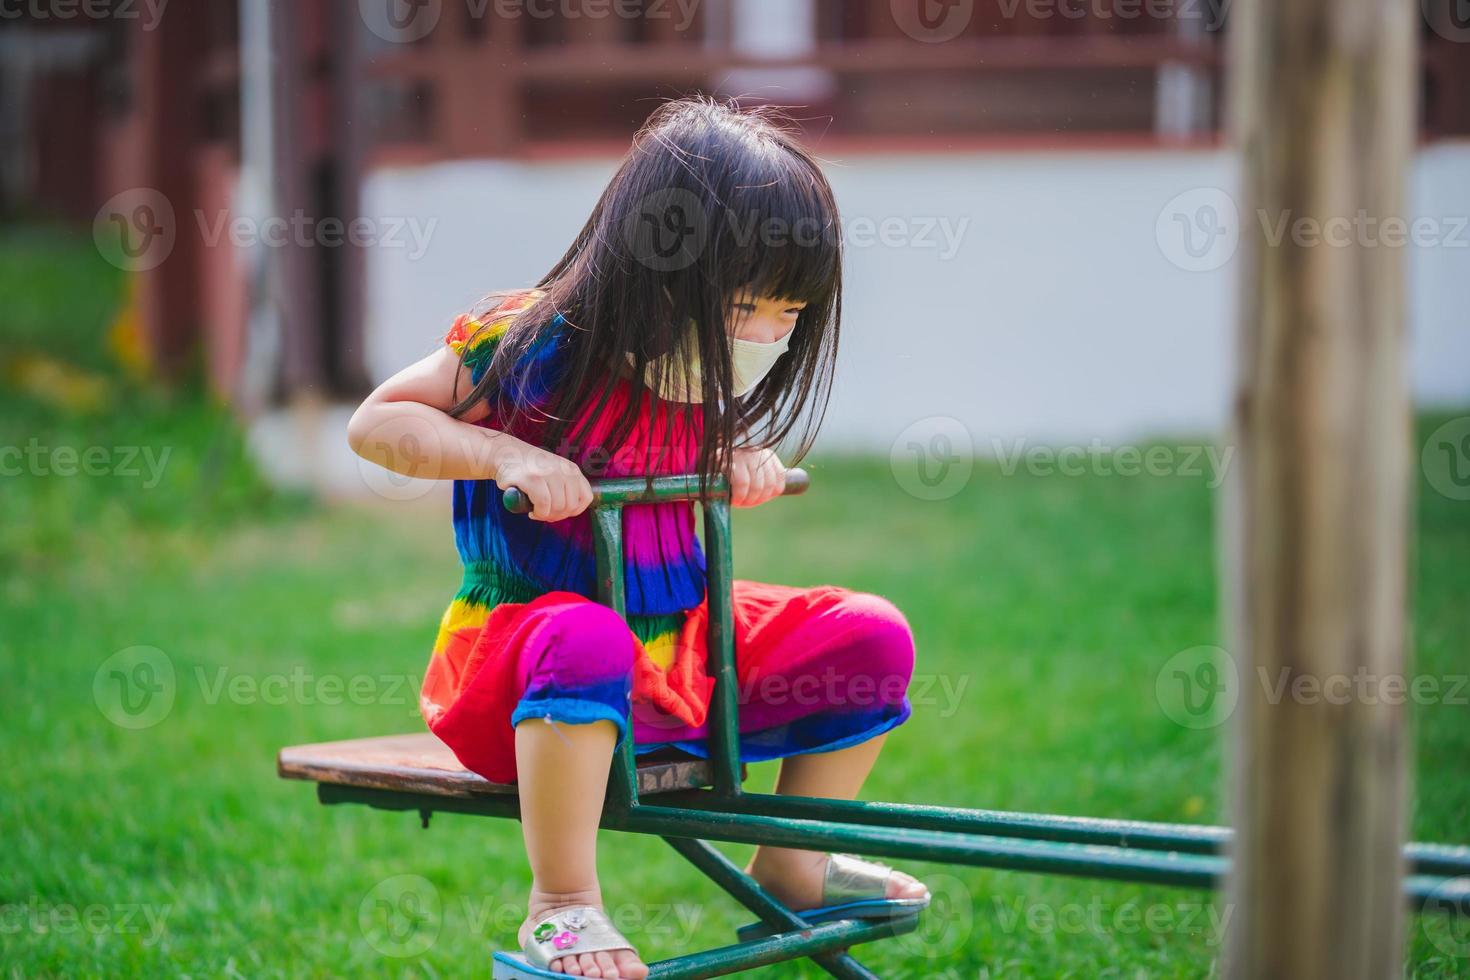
x=763, y=320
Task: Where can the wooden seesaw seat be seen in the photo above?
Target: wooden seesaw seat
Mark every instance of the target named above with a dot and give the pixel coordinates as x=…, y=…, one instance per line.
x=420, y=763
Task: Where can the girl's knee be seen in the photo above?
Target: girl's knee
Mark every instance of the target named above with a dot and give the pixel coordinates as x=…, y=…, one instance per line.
x=587, y=636
x=876, y=616
x=884, y=632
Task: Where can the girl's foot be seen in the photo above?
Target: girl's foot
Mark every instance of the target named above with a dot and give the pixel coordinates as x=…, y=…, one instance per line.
x=795, y=878
x=623, y=964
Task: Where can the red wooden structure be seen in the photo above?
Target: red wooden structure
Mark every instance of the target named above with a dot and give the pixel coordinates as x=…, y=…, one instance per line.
x=160, y=108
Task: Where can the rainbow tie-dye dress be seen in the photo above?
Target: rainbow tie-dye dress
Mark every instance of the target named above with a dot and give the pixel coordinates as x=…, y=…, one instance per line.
x=524, y=638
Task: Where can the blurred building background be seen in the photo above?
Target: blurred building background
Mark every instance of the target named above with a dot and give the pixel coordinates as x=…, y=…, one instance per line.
x=1036, y=195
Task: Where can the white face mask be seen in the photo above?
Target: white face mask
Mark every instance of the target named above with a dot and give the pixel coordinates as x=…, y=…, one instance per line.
x=749, y=360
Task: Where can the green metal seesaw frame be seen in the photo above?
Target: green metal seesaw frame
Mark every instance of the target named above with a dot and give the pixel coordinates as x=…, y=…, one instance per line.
x=1183, y=855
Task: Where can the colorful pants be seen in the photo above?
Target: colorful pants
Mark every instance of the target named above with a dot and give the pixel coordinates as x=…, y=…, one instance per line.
x=817, y=669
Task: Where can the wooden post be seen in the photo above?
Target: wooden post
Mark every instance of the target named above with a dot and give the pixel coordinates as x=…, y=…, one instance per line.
x=165, y=80
x=346, y=276
x=1317, y=518
x=299, y=298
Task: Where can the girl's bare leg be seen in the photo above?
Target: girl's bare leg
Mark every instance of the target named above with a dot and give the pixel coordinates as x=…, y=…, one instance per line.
x=560, y=828
x=795, y=876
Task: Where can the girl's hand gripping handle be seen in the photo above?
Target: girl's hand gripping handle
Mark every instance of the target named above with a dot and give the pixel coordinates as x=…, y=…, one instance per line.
x=664, y=488
x=553, y=486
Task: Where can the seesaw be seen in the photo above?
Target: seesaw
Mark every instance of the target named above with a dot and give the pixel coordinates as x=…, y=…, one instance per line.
x=690, y=801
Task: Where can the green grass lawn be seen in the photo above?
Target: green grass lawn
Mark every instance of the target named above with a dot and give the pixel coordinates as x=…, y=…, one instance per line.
x=1044, y=608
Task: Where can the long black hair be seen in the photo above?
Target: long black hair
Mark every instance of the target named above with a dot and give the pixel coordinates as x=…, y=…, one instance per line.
x=711, y=198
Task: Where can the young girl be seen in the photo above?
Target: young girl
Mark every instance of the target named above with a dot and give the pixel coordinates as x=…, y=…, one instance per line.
x=691, y=327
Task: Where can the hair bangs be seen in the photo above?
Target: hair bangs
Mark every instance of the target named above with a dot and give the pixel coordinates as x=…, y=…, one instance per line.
x=784, y=232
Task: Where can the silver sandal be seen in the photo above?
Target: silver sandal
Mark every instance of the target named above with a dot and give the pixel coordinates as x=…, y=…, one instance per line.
x=852, y=888
x=566, y=932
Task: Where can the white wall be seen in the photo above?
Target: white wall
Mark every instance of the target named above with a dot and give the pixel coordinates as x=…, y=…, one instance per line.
x=1057, y=315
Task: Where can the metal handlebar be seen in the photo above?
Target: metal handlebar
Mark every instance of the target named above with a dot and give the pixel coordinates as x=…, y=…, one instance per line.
x=638, y=490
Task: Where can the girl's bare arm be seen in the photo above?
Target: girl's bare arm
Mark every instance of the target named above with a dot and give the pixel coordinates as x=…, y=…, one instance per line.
x=405, y=426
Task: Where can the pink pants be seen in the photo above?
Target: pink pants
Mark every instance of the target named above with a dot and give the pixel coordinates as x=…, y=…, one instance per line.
x=817, y=669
